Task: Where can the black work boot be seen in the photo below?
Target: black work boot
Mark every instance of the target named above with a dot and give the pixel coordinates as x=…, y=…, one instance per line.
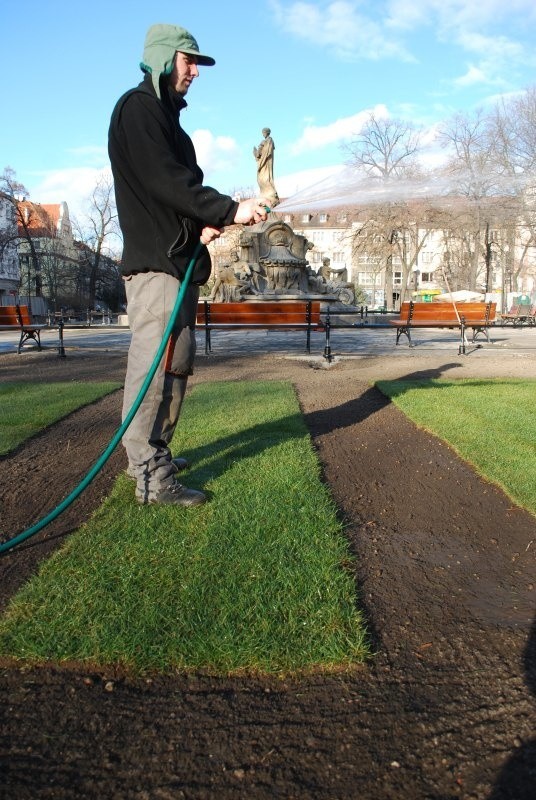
x=179, y=495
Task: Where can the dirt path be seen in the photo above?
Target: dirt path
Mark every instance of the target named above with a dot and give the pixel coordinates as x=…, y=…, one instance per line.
x=446, y=575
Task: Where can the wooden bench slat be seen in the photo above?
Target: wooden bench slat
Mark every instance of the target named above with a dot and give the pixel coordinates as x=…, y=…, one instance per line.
x=281, y=315
x=20, y=317
x=217, y=317
x=478, y=316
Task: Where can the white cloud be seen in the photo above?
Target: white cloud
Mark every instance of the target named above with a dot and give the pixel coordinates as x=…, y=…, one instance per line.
x=72, y=186
x=473, y=76
x=215, y=153
x=457, y=15
x=339, y=28
x=493, y=33
x=315, y=137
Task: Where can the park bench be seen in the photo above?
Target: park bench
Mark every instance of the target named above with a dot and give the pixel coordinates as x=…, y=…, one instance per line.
x=518, y=315
x=478, y=316
x=270, y=314
x=18, y=316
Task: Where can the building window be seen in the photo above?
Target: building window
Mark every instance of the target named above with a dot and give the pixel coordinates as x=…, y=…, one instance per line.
x=323, y=217
x=338, y=256
x=306, y=218
x=369, y=259
x=397, y=278
x=426, y=258
x=427, y=277
x=369, y=279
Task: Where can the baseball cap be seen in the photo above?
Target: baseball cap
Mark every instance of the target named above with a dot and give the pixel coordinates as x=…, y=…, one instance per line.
x=161, y=44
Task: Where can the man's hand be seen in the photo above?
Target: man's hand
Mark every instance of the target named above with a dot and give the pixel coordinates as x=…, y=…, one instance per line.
x=251, y=211
x=208, y=234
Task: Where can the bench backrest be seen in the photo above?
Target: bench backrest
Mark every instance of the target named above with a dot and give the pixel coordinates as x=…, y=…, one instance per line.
x=9, y=315
x=444, y=312
x=259, y=313
x=25, y=316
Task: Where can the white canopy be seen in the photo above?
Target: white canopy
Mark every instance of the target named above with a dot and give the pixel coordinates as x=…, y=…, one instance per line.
x=461, y=296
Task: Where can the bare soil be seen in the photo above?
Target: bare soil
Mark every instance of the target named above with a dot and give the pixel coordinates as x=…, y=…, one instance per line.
x=445, y=573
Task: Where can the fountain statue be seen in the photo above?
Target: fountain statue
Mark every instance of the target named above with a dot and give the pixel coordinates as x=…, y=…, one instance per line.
x=273, y=259
x=264, y=156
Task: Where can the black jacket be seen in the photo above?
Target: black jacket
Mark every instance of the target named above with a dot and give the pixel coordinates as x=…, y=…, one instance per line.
x=161, y=201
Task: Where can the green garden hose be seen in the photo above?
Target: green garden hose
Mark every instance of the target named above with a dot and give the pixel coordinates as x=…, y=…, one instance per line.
x=16, y=540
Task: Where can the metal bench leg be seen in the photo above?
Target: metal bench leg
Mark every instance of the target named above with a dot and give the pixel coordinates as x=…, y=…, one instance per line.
x=478, y=331
x=327, y=346
x=25, y=336
x=406, y=332
x=461, y=348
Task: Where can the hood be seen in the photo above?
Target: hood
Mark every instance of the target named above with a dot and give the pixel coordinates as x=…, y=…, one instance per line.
x=161, y=44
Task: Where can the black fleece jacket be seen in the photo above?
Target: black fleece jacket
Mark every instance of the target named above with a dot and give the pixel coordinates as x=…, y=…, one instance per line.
x=162, y=203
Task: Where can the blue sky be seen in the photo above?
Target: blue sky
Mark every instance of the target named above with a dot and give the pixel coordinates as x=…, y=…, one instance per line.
x=311, y=71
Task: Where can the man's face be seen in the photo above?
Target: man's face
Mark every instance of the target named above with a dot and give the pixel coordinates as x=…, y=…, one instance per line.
x=184, y=71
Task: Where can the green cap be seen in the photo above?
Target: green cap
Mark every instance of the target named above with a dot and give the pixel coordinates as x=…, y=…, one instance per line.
x=161, y=44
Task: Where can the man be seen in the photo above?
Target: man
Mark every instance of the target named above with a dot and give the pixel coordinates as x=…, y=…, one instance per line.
x=164, y=210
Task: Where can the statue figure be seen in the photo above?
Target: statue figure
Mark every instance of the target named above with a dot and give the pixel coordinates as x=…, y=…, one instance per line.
x=264, y=156
x=332, y=275
x=250, y=274
x=228, y=287
x=334, y=281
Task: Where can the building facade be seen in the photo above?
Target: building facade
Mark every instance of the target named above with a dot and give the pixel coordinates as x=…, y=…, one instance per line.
x=413, y=256
x=9, y=256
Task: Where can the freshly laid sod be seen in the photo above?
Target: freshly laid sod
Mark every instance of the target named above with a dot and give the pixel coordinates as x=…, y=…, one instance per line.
x=490, y=423
x=258, y=579
x=26, y=408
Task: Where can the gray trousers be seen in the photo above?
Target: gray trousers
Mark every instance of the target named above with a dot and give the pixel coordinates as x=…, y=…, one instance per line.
x=150, y=300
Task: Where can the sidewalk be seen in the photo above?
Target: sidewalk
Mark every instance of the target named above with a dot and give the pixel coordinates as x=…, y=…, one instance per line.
x=346, y=343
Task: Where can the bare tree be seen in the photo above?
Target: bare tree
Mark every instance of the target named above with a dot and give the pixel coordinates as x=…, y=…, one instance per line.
x=514, y=127
x=488, y=154
x=474, y=177
x=15, y=193
x=387, y=150
x=99, y=225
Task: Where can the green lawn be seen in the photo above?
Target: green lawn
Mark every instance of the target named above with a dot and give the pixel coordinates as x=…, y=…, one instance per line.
x=258, y=579
x=26, y=408
x=489, y=423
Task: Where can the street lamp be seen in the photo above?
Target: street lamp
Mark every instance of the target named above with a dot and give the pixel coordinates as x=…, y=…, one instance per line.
x=487, y=257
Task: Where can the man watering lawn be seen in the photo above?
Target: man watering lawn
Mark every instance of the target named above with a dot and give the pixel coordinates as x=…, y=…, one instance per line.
x=164, y=210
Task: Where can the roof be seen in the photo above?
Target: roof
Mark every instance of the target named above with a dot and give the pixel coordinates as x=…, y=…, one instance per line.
x=41, y=220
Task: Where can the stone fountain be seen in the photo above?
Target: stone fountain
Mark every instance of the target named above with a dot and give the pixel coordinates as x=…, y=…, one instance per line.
x=272, y=263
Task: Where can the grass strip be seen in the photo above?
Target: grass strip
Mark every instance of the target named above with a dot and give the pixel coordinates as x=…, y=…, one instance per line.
x=258, y=579
x=27, y=408
x=490, y=423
